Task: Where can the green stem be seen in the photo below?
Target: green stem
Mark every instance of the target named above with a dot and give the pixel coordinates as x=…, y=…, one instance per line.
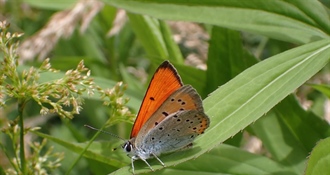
x=4, y=150
x=83, y=152
x=87, y=146
x=21, y=104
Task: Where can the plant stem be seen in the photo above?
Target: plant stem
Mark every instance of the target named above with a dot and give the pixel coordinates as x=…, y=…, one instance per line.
x=21, y=104
x=83, y=152
x=87, y=146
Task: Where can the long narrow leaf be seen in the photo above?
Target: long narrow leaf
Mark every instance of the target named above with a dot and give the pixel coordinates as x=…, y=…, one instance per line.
x=287, y=22
x=227, y=159
x=78, y=148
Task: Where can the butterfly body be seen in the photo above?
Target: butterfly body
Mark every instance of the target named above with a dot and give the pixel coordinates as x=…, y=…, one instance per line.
x=178, y=119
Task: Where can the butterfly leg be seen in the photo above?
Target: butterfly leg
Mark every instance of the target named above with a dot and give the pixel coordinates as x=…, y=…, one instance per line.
x=145, y=161
x=132, y=161
x=160, y=161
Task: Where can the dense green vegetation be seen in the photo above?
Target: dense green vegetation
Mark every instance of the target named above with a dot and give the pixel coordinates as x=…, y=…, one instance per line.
x=261, y=68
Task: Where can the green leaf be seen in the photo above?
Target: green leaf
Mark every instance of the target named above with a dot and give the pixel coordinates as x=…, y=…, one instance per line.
x=155, y=38
x=292, y=135
x=324, y=88
x=172, y=48
x=248, y=96
x=50, y=4
x=95, y=152
x=280, y=142
x=226, y=57
x=276, y=19
x=226, y=159
x=259, y=88
x=319, y=16
x=319, y=160
x=133, y=83
x=148, y=33
x=305, y=126
x=193, y=76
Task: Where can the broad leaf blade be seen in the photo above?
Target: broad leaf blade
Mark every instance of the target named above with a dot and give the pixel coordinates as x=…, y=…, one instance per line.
x=227, y=159
x=287, y=22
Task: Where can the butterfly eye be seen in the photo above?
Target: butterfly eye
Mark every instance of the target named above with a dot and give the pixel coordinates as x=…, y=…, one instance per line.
x=127, y=147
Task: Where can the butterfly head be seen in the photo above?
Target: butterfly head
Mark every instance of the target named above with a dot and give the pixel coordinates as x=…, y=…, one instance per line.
x=129, y=147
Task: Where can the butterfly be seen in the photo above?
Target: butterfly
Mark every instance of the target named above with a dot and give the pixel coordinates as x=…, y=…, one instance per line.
x=171, y=116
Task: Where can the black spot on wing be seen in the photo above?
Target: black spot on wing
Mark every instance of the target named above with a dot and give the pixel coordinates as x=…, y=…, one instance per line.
x=165, y=114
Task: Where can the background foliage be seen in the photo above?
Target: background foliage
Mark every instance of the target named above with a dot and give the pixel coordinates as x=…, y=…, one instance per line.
x=260, y=66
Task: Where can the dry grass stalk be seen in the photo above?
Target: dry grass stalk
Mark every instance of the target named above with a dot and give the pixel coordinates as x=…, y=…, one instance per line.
x=61, y=25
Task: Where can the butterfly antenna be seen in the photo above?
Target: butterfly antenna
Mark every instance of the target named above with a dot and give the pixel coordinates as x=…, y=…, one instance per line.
x=112, y=134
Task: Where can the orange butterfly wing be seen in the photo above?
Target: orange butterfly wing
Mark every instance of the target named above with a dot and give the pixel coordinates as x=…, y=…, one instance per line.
x=164, y=82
